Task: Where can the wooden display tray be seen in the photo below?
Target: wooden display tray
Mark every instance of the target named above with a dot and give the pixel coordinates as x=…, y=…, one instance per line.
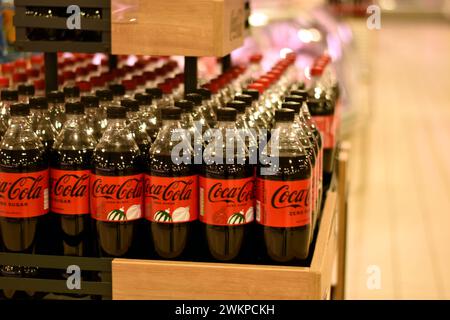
x=147, y=279
x=177, y=27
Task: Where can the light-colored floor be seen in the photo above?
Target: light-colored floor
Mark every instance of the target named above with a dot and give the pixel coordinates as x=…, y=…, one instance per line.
x=399, y=202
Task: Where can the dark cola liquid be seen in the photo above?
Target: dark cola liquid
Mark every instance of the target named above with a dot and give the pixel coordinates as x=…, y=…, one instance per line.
x=290, y=243
x=73, y=231
x=117, y=239
x=171, y=240
x=226, y=242
x=21, y=234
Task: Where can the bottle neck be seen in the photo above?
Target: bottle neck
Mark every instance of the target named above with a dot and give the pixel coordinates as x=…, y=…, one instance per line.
x=74, y=117
x=21, y=121
x=116, y=123
x=283, y=125
x=226, y=124
x=170, y=123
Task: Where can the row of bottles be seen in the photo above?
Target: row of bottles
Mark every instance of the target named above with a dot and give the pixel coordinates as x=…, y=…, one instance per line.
x=113, y=160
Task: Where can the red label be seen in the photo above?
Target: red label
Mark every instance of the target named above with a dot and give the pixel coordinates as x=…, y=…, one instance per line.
x=117, y=198
x=171, y=200
x=69, y=191
x=326, y=126
x=23, y=195
x=283, y=203
x=226, y=202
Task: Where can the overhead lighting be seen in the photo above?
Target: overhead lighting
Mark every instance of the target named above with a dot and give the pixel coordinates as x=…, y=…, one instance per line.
x=258, y=19
x=309, y=35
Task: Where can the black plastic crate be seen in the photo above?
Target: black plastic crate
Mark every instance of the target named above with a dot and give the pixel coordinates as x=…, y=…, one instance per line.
x=49, y=281
x=94, y=35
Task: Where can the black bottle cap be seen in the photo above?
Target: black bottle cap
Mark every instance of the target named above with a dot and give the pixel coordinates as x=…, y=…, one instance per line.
x=104, y=95
x=19, y=110
x=130, y=104
x=226, y=114
x=238, y=105
x=317, y=106
x=185, y=105
x=72, y=92
x=143, y=98
x=90, y=101
x=116, y=112
x=292, y=105
x=26, y=89
x=38, y=103
x=206, y=94
x=171, y=113
x=156, y=93
x=9, y=95
x=245, y=98
x=301, y=93
x=195, y=98
x=284, y=115
x=298, y=99
x=117, y=89
x=74, y=108
x=252, y=92
x=55, y=97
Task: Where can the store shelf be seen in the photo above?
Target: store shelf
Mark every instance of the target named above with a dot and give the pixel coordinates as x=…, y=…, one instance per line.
x=143, y=279
x=24, y=22
x=177, y=27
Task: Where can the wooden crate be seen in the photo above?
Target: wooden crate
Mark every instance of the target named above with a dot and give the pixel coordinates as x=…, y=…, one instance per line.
x=144, y=279
x=177, y=27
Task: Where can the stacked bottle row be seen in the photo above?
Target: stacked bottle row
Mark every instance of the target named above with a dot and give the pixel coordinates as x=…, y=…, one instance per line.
x=112, y=165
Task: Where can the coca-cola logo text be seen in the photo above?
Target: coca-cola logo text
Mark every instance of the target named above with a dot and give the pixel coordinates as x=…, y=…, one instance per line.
x=24, y=188
x=128, y=189
x=71, y=185
x=220, y=193
x=285, y=197
x=177, y=190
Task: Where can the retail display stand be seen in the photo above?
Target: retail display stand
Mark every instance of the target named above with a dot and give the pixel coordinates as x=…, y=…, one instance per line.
x=144, y=279
x=190, y=28
x=156, y=279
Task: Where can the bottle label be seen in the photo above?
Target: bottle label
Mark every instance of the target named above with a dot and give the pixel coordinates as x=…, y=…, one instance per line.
x=283, y=203
x=69, y=191
x=171, y=199
x=24, y=195
x=326, y=126
x=116, y=198
x=226, y=202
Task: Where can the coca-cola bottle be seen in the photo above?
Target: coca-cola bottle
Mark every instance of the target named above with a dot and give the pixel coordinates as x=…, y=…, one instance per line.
x=311, y=153
x=314, y=135
x=118, y=91
x=116, y=186
x=171, y=190
x=23, y=187
x=70, y=169
x=149, y=113
x=56, y=101
x=93, y=117
x=41, y=123
x=137, y=127
x=322, y=112
x=226, y=189
x=283, y=205
x=199, y=112
x=8, y=97
x=72, y=93
x=26, y=91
